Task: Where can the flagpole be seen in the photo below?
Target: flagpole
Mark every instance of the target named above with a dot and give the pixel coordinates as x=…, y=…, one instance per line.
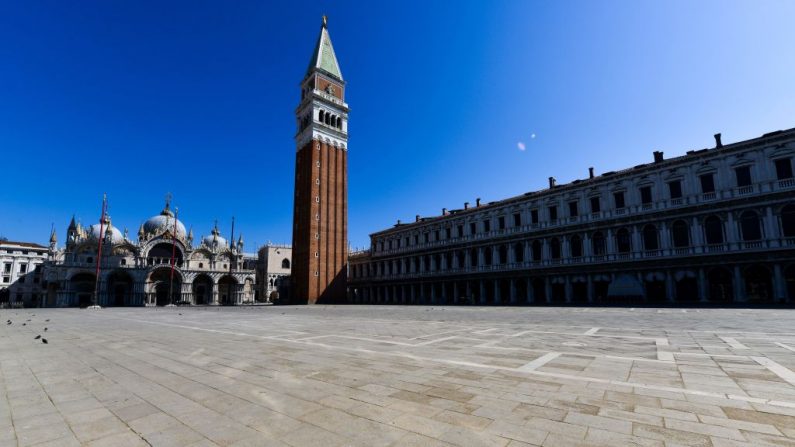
x=232, y=258
x=173, y=254
x=100, y=240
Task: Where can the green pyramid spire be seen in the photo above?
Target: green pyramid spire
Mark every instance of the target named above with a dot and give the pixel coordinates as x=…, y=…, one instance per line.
x=323, y=58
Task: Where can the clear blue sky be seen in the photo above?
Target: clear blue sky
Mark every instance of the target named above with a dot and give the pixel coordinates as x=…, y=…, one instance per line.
x=139, y=98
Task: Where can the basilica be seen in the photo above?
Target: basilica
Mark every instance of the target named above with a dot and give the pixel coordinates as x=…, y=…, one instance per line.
x=164, y=265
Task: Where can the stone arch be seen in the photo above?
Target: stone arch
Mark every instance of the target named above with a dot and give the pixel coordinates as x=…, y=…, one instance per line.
x=160, y=283
x=81, y=286
x=758, y=284
x=750, y=226
x=721, y=285
x=787, y=217
x=202, y=288
x=713, y=230
x=623, y=241
x=119, y=289
x=651, y=240
x=680, y=234
x=227, y=290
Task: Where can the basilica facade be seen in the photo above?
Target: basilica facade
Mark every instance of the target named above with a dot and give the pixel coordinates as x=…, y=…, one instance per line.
x=140, y=272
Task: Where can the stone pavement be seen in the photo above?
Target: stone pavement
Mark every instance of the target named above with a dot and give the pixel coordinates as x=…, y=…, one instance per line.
x=404, y=376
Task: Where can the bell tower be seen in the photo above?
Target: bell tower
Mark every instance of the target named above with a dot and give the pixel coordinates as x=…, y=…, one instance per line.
x=320, y=215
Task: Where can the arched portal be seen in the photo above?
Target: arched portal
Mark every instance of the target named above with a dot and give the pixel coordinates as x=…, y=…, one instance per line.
x=758, y=285
x=160, y=282
x=227, y=290
x=721, y=288
x=52, y=295
x=120, y=287
x=202, y=290
x=82, y=286
x=161, y=254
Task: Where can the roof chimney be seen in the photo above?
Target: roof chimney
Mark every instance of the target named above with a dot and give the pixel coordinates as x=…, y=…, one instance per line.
x=551, y=182
x=444, y=211
x=477, y=201
x=466, y=205
x=718, y=143
x=398, y=222
x=417, y=218
x=590, y=172
x=658, y=156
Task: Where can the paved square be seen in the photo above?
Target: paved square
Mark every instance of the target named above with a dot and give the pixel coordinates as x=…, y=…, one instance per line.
x=402, y=376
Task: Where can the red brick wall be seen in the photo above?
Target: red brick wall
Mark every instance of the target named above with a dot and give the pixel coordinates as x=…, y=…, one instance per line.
x=332, y=225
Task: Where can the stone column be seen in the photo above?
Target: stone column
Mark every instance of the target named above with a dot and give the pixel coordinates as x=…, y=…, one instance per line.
x=513, y=291
x=433, y=293
x=548, y=289
x=739, y=289
x=670, y=287
x=731, y=232
x=469, y=297
x=413, y=293
x=772, y=232
x=590, y=289
x=215, y=294
x=444, y=293
x=527, y=256
x=482, y=292
x=530, y=292
x=456, y=297
x=779, y=284
x=568, y=290
x=497, y=295
x=481, y=258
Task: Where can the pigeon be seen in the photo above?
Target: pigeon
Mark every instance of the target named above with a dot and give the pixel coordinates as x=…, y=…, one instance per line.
x=45, y=329
x=24, y=324
x=37, y=337
x=44, y=340
x=47, y=320
x=180, y=314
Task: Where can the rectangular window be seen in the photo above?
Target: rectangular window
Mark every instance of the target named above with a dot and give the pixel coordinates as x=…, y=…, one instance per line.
x=486, y=226
x=447, y=233
x=783, y=168
x=596, y=205
x=7, y=267
x=426, y=237
x=23, y=268
x=707, y=183
x=553, y=213
x=436, y=235
x=534, y=216
x=645, y=195
x=460, y=229
x=573, y=211
x=675, y=189
x=473, y=228
x=501, y=222
x=416, y=239
x=743, y=175
x=618, y=197
x=517, y=220
x=6, y=279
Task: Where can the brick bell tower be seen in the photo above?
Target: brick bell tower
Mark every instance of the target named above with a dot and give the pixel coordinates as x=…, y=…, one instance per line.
x=320, y=215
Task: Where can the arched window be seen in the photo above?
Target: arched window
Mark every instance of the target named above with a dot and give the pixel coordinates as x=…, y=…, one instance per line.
x=576, y=246
x=598, y=242
x=518, y=252
x=536, y=250
x=681, y=234
x=487, y=255
x=788, y=221
x=320, y=116
x=713, y=230
x=503, y=252
x=650, y=241
x=473, y=257
x=749, y=225
x=285, y=263
x=623, y=243
x=327, y=118
x=554, y=248
x=339, y=122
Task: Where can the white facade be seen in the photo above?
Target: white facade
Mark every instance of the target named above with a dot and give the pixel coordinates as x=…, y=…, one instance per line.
x=273, y=271
x=20, y=273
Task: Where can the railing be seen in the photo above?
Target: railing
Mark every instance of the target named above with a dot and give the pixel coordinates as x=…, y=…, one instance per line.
x=651, y=253
x=676, y=202
x=596, y=215
x=708, y=196
x=620, y=211
x=786, y=183
x=682, y=251
x=716, y=248
x=647, y=206
x=753, y=244
x=743, y=190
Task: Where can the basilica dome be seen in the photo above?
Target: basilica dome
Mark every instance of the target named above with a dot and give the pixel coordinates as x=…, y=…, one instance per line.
x=208, y=241
x=164, y=221
x=115, y=234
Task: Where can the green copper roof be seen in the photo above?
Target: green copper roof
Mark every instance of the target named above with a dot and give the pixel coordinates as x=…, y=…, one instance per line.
x=323, y=57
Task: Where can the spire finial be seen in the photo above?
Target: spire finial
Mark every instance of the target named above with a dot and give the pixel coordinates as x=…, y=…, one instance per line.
x=325, y=21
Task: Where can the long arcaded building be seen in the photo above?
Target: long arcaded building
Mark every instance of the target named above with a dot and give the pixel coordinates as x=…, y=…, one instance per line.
x=712, y=227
